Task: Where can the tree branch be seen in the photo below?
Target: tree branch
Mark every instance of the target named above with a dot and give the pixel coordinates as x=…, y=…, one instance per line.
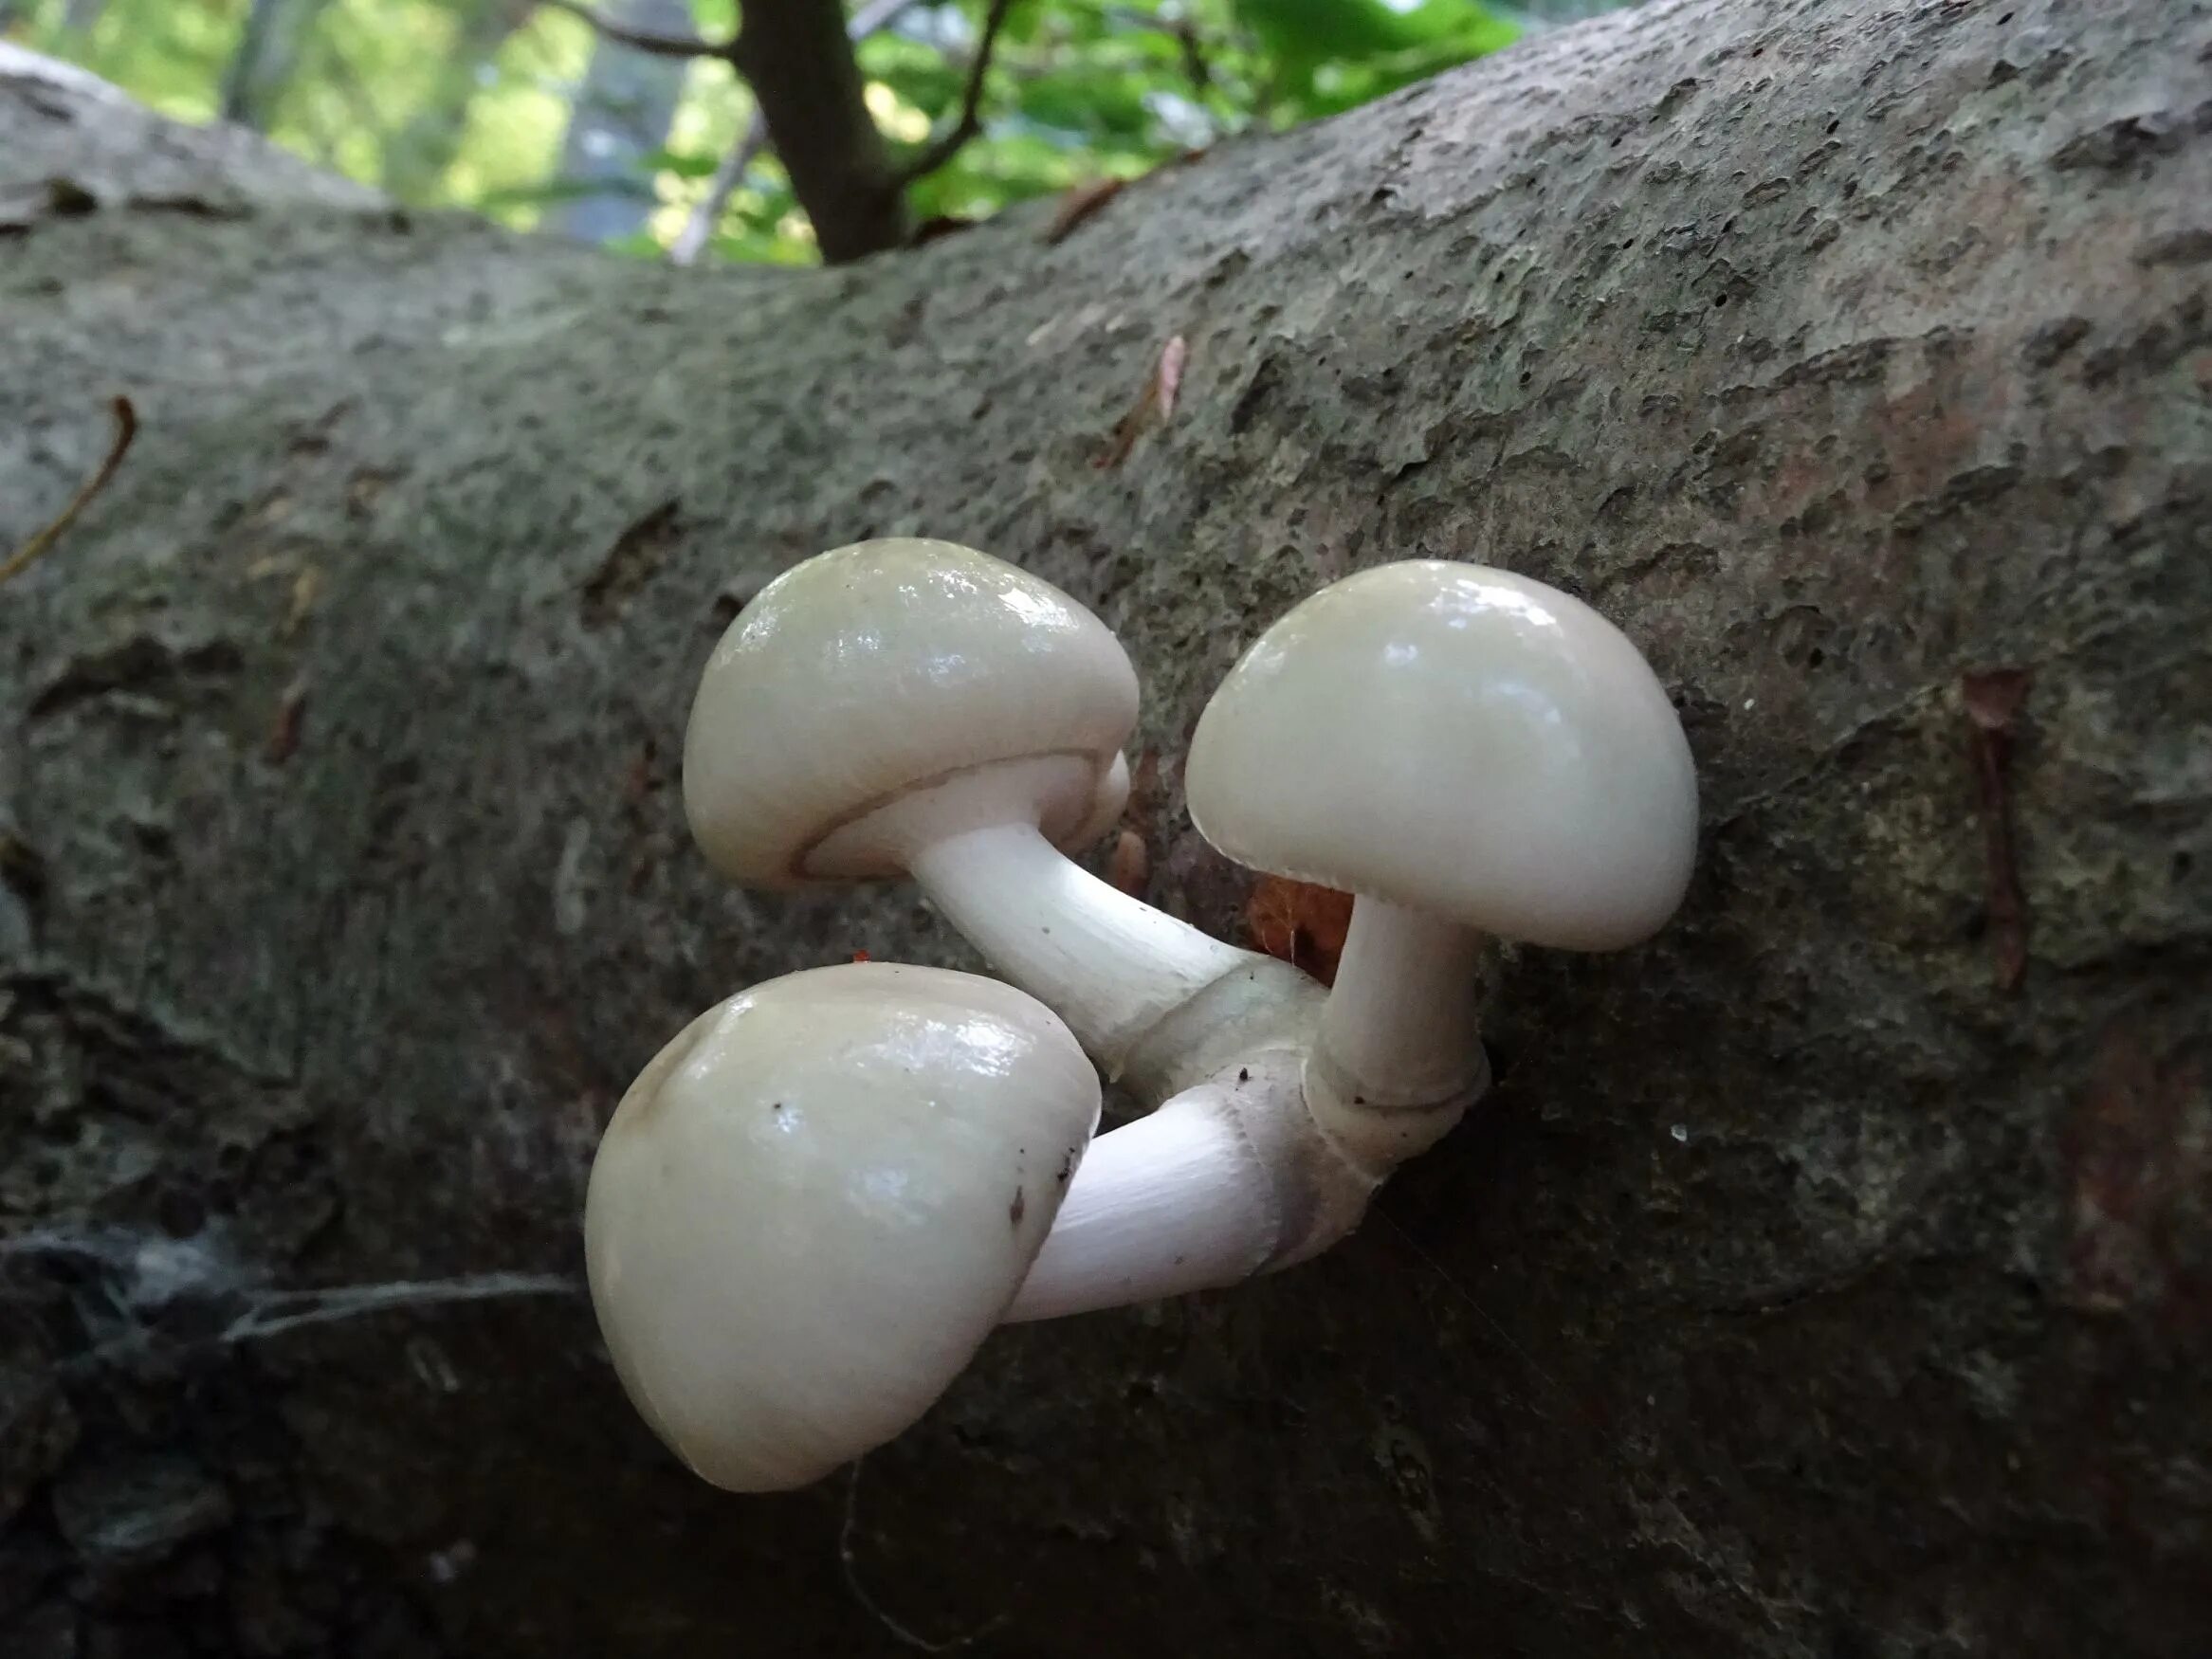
x=943, y=148
x=691, y=241
x=798, y=59
x=650, y=42
x=1182, y=30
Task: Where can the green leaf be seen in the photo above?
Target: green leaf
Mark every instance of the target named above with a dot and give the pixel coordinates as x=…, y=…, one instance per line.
x=1086, y=100
x=679, y=163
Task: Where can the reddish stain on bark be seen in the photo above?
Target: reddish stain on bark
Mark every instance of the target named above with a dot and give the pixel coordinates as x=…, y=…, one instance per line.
x=2138, y=1162
x=1129, y=865
x=283, y=740
x=639, y=779
x=1993, y=699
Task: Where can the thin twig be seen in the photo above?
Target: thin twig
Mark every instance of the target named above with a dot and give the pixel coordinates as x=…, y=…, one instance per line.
x=650, y=42
x=1180, y=30
x=29, y=554
x=699, y=229
x=846, y=1558
x=942, y=149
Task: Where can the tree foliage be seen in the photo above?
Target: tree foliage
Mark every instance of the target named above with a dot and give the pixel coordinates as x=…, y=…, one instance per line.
x=465, y=103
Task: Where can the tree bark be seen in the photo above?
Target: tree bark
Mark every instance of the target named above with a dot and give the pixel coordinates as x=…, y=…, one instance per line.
x=1798, y=1290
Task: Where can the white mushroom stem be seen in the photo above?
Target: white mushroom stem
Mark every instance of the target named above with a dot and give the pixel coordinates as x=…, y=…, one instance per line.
x=1109, y=965
x=1398, y=1055
x=1225, y=1180
x=1172, y=1203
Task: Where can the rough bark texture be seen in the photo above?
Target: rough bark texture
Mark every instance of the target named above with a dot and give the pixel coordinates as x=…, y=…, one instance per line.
x=1797, y=1292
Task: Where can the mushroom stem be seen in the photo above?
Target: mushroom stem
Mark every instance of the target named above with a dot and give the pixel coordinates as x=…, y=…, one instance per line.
x=1111, y=966
x=1226, y=1180
x=1174, y=1202
x=1400, y=1054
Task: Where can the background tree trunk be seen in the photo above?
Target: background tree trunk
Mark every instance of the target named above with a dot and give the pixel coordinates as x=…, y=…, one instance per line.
x=620, y=114
x=419, y=153
x=270, y=39
x=1798, y=1291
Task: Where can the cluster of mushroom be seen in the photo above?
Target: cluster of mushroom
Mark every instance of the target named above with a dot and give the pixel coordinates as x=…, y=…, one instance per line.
x=816, y=1202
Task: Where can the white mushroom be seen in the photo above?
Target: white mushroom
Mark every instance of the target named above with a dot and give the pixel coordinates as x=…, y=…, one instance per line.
x=1467, y=752
x=912, y=706
x=817, y=1201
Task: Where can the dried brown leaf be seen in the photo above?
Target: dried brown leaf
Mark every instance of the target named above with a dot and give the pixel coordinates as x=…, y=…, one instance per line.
x=1129, y=865
x=1155, y=404
x=1300, y=923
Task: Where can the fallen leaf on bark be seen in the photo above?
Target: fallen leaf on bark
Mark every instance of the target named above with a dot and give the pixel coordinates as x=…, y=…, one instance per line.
x=1154, y=405
x=1300, y=923
x=1078, y=205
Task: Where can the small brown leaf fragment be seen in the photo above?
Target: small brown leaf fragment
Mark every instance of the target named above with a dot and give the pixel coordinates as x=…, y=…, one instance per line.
x=1078, y=205
x=1154, y=405
x=1018, y=1208
x=1993, y=698
x=1169, y=375
x=1300, y=923
x=285, y=730
x=1129, y=865
x=305, y=586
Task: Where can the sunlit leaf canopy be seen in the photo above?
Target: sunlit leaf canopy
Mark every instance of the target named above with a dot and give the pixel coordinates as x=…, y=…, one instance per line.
x=467, y=102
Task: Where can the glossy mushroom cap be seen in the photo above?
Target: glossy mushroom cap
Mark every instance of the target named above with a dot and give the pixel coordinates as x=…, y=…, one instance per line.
x=869, y=676
x=816, y=1202
x=1459, y=741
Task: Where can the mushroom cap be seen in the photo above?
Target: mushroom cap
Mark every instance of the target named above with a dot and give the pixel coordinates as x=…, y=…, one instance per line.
x=874, y=672
x=816, y=1202
x=1458, y=741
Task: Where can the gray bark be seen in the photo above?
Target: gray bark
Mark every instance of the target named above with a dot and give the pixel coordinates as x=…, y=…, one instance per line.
x=1796, y=1292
